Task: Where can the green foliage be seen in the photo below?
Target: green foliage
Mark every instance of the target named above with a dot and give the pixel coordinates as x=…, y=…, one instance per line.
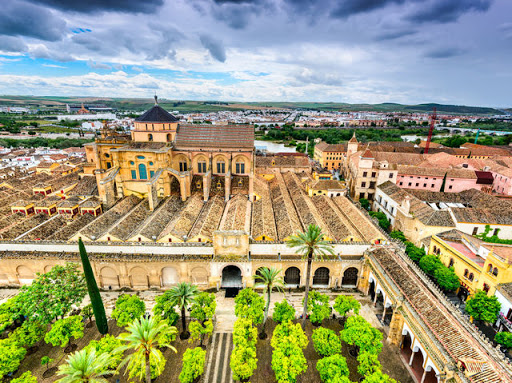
x=64, y=329
x=492, y=238
x=429, y=263
x=182, y=295
x=143, y=339
x=482, y=307
x=28, y=334
x=46, y=360
x=397, y=234
x=318, y=306
x=504, y=338
x=333, y=369
x=365, y=204
x=199, y=330
x=9, y=312
x=326, y=342
x=381, y=217
x=414, y=252
x=204, y=306
x=283, y=312
x=358, y=332
x=345, y=303
x=249, y=304
x=128, y=308
x=288, y=362
x=11, y=356
x=368, y=363
x=378, y=377
x=243, y=362
x=446, y=278
x=156, y=362
x=26, y=377
x=164, y=308
x=107, y=345
x=96, y=306
x=289, y=333
x=244, y=333
x=193, y=364
x=58, y=143
x=52, y=294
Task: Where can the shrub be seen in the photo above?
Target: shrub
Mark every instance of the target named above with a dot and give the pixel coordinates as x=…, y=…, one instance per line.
x=326, y=342
x=333, y=369
x=198, y=331
x=128, y=308
x=397, y=234
x=358, y=332
x=287, y=332
x=288, y=362
x=244, y=333
x=283, y=312
x=28, y=334
x=11, y=356
x=243, y=362
x=365, y=204
x=138, y=369
x=368, y=363
x=318, y=307
x=64, y=329
x=107, y=344
x=414, y=252
x=344, y=303
x=378, y=377
x=46, y=360
x=193, y=364
x=26, y=377
x=249, y=304
x=381, y=217
x=504, y=338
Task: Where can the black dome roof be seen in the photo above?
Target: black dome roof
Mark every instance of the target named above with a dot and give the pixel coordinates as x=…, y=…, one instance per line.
x=157, y=114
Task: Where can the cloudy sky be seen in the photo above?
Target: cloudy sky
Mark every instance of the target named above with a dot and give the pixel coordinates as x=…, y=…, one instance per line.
x=407, y=51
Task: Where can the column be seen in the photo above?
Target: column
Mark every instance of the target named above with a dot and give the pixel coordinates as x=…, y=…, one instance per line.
x=423, y=376
x=384, y=312
x=412, y=357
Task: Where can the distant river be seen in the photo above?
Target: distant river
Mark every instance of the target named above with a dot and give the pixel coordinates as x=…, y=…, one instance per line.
x=273, y=147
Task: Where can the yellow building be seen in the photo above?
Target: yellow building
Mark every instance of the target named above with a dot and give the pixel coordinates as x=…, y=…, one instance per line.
x=332, y=156
x=162, y=158
x=479, y=265
x=331, y=188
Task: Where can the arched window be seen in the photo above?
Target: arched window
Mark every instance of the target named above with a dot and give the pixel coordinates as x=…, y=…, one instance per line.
x=451, y=262
x=495, y=271
x=150, y=137
x=143, y=173
x=201, y=167
x=240, y=168
x=486, y=287
x=169, y=137
x=466, y=273
x=435, y=249
x=221, y=167
x=471, y=277
x=183, y=166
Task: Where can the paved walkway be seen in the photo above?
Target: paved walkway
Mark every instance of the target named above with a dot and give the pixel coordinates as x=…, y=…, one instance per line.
x=217, y=368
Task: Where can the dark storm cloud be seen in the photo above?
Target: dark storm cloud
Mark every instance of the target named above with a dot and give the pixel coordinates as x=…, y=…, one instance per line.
x=446, y=11
x=348, y=8
x=12, y=44
x=215, y=47
x=443, y=53
x=18, y=18
x=93, y=6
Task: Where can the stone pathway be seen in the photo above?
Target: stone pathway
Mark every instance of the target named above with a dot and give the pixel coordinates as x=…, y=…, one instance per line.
x=217, y=368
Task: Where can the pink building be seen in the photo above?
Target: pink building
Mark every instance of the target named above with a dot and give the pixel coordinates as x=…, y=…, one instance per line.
x=420, y=178
x=458, y=180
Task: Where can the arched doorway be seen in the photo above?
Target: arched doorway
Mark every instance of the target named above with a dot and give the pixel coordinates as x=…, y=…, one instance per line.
x=350, y=277
x=321, y=276
x=169, y=276
x=406, y=347
x=292, y=276
x=109, y=278
x=417, y=363
x=231, y=277
x=139, y=278
x=371, y=290
x=430, y=375
x=25, y=275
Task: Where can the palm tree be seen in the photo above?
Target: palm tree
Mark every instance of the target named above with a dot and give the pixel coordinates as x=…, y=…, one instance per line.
x=270, y=279
x=311, y=245
x=85, y=367
x=182, y=295
x=144, y=337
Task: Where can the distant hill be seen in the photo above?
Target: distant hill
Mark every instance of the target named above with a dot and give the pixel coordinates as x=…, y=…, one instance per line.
x=140, y=104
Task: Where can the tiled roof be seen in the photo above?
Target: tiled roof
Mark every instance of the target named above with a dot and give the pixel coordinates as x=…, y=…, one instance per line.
x=215, y=136
x=157, y=114
x=327, y=184
x=325, y=147
x=461, y=173
x=421, y=171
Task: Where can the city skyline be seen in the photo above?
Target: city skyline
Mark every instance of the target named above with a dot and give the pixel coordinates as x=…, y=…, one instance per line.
x=405, y=51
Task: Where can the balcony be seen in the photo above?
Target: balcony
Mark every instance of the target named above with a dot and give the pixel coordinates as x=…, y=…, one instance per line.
x=506, y=322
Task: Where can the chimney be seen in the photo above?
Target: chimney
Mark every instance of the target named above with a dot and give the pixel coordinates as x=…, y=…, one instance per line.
x=406, y=204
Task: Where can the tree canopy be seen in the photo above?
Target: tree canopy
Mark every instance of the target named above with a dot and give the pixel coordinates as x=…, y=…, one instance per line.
x=128, y=308
x=249, y=304
x=345, y=303
x=52, y=294
x=326, y=341
x=64, y=329
x=283, y=312
x=333, y=369
x=482, y=307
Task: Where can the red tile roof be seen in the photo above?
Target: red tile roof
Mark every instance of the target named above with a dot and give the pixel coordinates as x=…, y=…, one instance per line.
x=215, y=136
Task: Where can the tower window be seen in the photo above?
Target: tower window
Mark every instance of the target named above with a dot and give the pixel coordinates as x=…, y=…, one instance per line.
x=143, y=174
x=240, y=167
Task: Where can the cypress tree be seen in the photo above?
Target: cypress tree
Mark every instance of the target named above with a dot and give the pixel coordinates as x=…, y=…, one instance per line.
x=94, y=293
